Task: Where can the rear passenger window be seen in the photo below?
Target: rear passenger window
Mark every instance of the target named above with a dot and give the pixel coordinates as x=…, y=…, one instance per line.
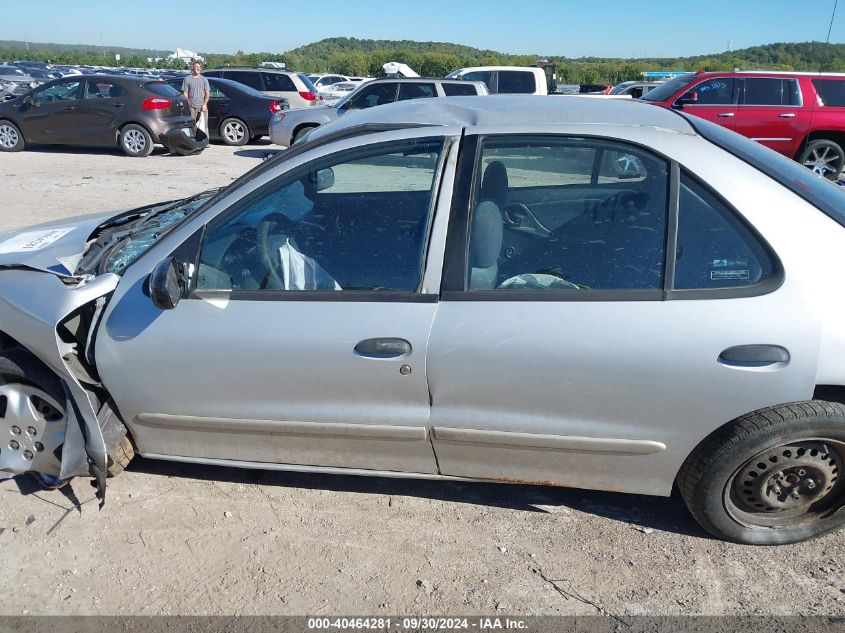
x=485, y=76
x=715, y=249
x=459, y=90
x=546, y=218
x=770, y=91
x=371, y=96
x=831, y=92
x=277, y=82
x=251, y=79
x=516, y=82
x=416, y=91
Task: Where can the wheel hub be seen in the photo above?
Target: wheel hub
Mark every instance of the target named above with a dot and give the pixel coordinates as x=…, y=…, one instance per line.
x=32, y=428
x=787, y=478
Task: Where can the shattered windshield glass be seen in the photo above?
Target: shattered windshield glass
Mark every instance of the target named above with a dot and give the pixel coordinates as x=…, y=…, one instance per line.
x=147, y=231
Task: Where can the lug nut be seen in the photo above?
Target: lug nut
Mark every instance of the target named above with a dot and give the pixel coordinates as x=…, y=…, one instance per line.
x=14, y=445
x=39, y=446
x=30, y=430
x=810, y=484
x=795, y=494
x=16, y=430
x=776, y=490
x=27, y=454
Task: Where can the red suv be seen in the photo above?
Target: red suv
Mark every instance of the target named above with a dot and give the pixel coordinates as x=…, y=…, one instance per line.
x=800, y=115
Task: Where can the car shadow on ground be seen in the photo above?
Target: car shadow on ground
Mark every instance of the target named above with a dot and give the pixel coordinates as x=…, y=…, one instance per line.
x=641, y=512
x=90, y=151
x=262, y=153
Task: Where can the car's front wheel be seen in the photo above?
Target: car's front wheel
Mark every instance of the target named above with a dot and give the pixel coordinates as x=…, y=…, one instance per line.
x=772, y=477
x=234, y=132
x=11, y=139
x=824, y=157
x=135, y=141
x=32, y=417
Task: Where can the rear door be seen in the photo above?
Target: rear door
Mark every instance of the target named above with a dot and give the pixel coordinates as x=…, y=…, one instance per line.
x=416, y=90
x=52, y=115
x=714, y=99
x=102, y=105
x=771, y=112
x=560, y=351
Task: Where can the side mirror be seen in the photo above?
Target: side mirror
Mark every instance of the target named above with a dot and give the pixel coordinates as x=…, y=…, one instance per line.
x=324, y=179
x=688, y=98
x=166, y=284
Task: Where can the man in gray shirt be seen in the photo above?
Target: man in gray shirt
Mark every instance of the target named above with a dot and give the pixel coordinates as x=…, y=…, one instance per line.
x=196, y=90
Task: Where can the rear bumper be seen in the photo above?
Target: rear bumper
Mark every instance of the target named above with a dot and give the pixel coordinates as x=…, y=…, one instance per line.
x=178, y=142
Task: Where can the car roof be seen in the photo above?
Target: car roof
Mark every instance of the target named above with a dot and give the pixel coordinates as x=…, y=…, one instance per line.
x=500, y=110
x=416, y=79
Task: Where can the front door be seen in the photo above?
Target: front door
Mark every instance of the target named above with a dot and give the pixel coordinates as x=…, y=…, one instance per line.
x=51, y=116
x=304, y=340
x=560, y=352
x=714, y=99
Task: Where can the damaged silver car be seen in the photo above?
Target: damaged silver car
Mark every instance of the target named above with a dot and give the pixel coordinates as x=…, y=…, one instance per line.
x=603, y=295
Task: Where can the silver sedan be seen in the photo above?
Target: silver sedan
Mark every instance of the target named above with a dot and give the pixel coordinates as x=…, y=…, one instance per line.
x=579, y=292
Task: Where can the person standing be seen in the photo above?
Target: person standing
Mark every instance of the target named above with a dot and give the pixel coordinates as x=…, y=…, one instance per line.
x=197, y=91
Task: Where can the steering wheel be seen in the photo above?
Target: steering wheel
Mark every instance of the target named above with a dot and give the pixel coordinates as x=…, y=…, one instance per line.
x=541, y=280
x=269, y=255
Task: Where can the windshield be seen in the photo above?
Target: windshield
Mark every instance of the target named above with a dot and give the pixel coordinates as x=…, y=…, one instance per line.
x=138, y=238
x=667, y=89
x=818, y=191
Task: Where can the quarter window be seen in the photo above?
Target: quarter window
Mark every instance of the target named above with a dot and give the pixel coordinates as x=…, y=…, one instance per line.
x=831, y=92
x=357, y=221
x=458, y=90
x=715, y=250
x=567, y=214
x=278, y=82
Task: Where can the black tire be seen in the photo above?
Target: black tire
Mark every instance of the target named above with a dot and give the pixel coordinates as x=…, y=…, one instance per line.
x=824, y=157
x=234, y=132
x=301, y=131
x=135, y=141
x=255, y=139
x=11, y=139
x=750, y=481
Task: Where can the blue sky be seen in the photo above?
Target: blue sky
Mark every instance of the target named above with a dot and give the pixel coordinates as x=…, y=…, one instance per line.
x=608, y=28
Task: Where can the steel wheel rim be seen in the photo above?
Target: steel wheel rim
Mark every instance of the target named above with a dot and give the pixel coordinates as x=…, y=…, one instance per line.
x=234, y=131
x=32, y=430
x=134, y=141
x=819, y=161
x=8, y=136
x=788, y=485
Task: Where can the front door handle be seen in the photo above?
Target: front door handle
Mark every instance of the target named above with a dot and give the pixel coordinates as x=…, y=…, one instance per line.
x=383, y=348
x=725, y=115
x=754, y=356
x=787, y=115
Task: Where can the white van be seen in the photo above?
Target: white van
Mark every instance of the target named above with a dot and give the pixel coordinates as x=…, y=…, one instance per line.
x=526, y=80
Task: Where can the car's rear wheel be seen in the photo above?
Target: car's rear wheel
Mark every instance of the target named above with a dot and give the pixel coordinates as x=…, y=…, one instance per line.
x=11, y=139
x=135, y=141
x=32, y=417
x=772, y=477
x=824, y=157
x=302, y=131
x=234, y=132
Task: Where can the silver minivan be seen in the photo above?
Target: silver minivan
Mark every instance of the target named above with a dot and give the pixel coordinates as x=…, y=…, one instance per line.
x=587, y=293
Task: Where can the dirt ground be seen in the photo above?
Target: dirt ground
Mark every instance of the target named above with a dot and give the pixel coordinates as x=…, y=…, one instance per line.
x=184, y=539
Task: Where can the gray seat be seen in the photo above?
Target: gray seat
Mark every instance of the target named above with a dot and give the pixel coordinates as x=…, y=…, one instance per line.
x=488, y=227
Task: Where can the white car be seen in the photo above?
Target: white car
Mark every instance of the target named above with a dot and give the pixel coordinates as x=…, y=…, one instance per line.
x=522, y=80
x=337, y=91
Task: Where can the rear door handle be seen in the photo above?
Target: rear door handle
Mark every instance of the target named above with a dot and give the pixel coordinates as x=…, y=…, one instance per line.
x=754, y=356
x=383, y=348
x=787, y=115
x=725, y=115
x=118, y=105
x=70, y=107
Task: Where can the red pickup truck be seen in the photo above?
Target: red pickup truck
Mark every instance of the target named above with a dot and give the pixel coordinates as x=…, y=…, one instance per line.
x=800, y=115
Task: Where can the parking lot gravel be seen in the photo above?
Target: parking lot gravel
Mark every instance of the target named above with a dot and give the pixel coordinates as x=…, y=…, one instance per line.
x=187, y=539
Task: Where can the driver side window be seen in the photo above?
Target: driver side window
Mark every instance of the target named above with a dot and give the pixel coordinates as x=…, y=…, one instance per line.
x=354, y=221
x=65, y=91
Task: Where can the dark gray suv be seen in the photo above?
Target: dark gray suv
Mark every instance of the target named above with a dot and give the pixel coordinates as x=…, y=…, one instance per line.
x=133, y=113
